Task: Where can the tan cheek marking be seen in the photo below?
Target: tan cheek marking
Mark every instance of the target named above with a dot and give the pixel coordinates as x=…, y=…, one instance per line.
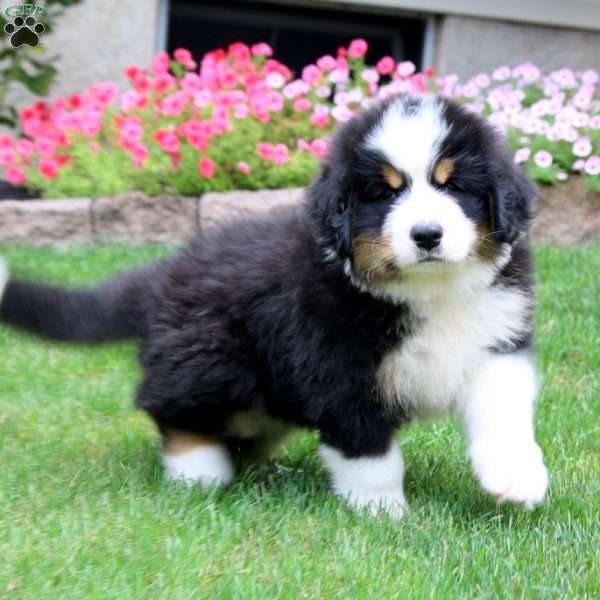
x=443, y=170
x=372, y=256
x=180, y=442
x=392, y=177
x=487, y=248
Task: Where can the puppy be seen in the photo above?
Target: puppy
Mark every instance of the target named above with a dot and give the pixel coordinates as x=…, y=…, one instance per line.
x=402, y=288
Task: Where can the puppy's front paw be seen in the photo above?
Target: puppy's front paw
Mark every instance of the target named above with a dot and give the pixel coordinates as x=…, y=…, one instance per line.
x=511, y=474
x=390, y=502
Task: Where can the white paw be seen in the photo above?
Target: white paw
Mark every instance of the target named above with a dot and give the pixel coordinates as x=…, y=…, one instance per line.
x=514, y=474
x=208, y=467
x=4, y=276
x=390, y=502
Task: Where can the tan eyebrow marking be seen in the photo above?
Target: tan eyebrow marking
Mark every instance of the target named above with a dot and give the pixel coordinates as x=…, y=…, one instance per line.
x=392, y=177
x=443, y=170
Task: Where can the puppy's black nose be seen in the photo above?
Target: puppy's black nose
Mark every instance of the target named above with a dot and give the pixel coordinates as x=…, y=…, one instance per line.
x=427, y=235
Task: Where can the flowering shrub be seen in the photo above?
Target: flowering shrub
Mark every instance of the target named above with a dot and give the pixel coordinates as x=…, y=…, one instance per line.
x=240, y=120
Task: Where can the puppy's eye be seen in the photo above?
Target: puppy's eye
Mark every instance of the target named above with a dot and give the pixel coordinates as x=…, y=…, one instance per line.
x=453, y=186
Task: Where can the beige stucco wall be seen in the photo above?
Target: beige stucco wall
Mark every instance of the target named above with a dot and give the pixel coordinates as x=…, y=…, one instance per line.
x=467, y=46
x=96, y=40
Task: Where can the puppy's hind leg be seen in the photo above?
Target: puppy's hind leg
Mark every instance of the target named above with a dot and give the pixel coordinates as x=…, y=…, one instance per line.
x=196, y=459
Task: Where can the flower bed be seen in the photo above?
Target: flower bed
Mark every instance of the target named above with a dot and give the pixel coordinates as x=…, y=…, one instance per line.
x=241, y=121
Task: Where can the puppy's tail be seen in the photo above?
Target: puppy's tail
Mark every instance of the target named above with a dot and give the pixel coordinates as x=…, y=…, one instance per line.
x=112, y=311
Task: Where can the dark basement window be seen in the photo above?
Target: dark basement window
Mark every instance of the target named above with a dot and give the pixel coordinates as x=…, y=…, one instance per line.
x=298, y=35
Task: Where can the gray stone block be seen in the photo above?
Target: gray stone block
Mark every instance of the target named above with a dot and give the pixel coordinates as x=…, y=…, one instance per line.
x=224, y=207
x=467, y=46
x=137, y=219
x=45, y=222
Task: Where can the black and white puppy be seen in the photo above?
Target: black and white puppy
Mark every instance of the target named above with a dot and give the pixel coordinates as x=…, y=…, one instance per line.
x=401, y=289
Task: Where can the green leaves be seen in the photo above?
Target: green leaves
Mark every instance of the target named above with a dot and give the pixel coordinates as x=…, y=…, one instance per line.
x=36, y=76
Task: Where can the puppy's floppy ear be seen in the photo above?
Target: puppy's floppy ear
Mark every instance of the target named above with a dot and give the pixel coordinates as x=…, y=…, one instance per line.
x=511, y=201
x=330, y=206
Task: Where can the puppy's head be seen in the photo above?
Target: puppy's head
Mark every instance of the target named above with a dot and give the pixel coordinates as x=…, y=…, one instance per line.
x=418, y=185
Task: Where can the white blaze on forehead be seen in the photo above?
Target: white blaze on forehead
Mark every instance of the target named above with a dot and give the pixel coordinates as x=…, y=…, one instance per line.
x=409, y=135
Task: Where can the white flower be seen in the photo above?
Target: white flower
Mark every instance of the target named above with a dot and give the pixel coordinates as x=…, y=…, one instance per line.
x=501, y=73
x=522, y=155
x=592, y=165
x=275, y=80
x=405, y=68
x=370, y=75
x=542, y=159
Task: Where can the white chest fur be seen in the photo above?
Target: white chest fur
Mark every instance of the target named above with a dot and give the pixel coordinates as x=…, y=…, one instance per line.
x=456, y=322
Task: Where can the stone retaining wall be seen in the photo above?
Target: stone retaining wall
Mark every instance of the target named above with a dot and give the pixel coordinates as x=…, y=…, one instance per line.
x=568, y=215
x=129, y=218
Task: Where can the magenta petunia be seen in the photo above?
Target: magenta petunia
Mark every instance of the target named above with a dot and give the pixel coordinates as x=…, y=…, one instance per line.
x=357, y=48
x=207, y=167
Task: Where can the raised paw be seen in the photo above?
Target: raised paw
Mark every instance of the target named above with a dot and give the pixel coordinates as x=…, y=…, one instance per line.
x=514, y=474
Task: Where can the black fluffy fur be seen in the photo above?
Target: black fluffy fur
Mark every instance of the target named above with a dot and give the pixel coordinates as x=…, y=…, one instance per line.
x=260, y=313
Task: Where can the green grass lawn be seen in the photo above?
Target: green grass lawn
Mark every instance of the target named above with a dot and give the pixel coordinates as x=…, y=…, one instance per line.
x=85, y=512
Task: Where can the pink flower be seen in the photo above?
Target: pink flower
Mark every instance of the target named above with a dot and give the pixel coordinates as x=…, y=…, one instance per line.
x=243, y=167
x=280, y=154
x=139, y=154
x=163, y=82
x=562, y=176
x=142, y=83
x=579, y=165
x=592, y=165
x=261, y=49
x=167, y=140
x=357, y=48
x=303, y=145
x=133, y=99
x=582, y=147
x=522, y=155
x=326, y=63
x=302, y=104
x=49, y=168
x=311, y=74
x=264, y=150
x=241, y=111
x=160, y=64
x=386, y=65
x=132, y=129
x=207, y=167
x=7, y=156
x=405, y=68
x=318, y=148
x=320, y=118
x=275, y=101
x=543, y=159
x=15, y=176
x=25, y=148
x=184, y=57
x=105, y=91
x=173, y=105
x=45, y=147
